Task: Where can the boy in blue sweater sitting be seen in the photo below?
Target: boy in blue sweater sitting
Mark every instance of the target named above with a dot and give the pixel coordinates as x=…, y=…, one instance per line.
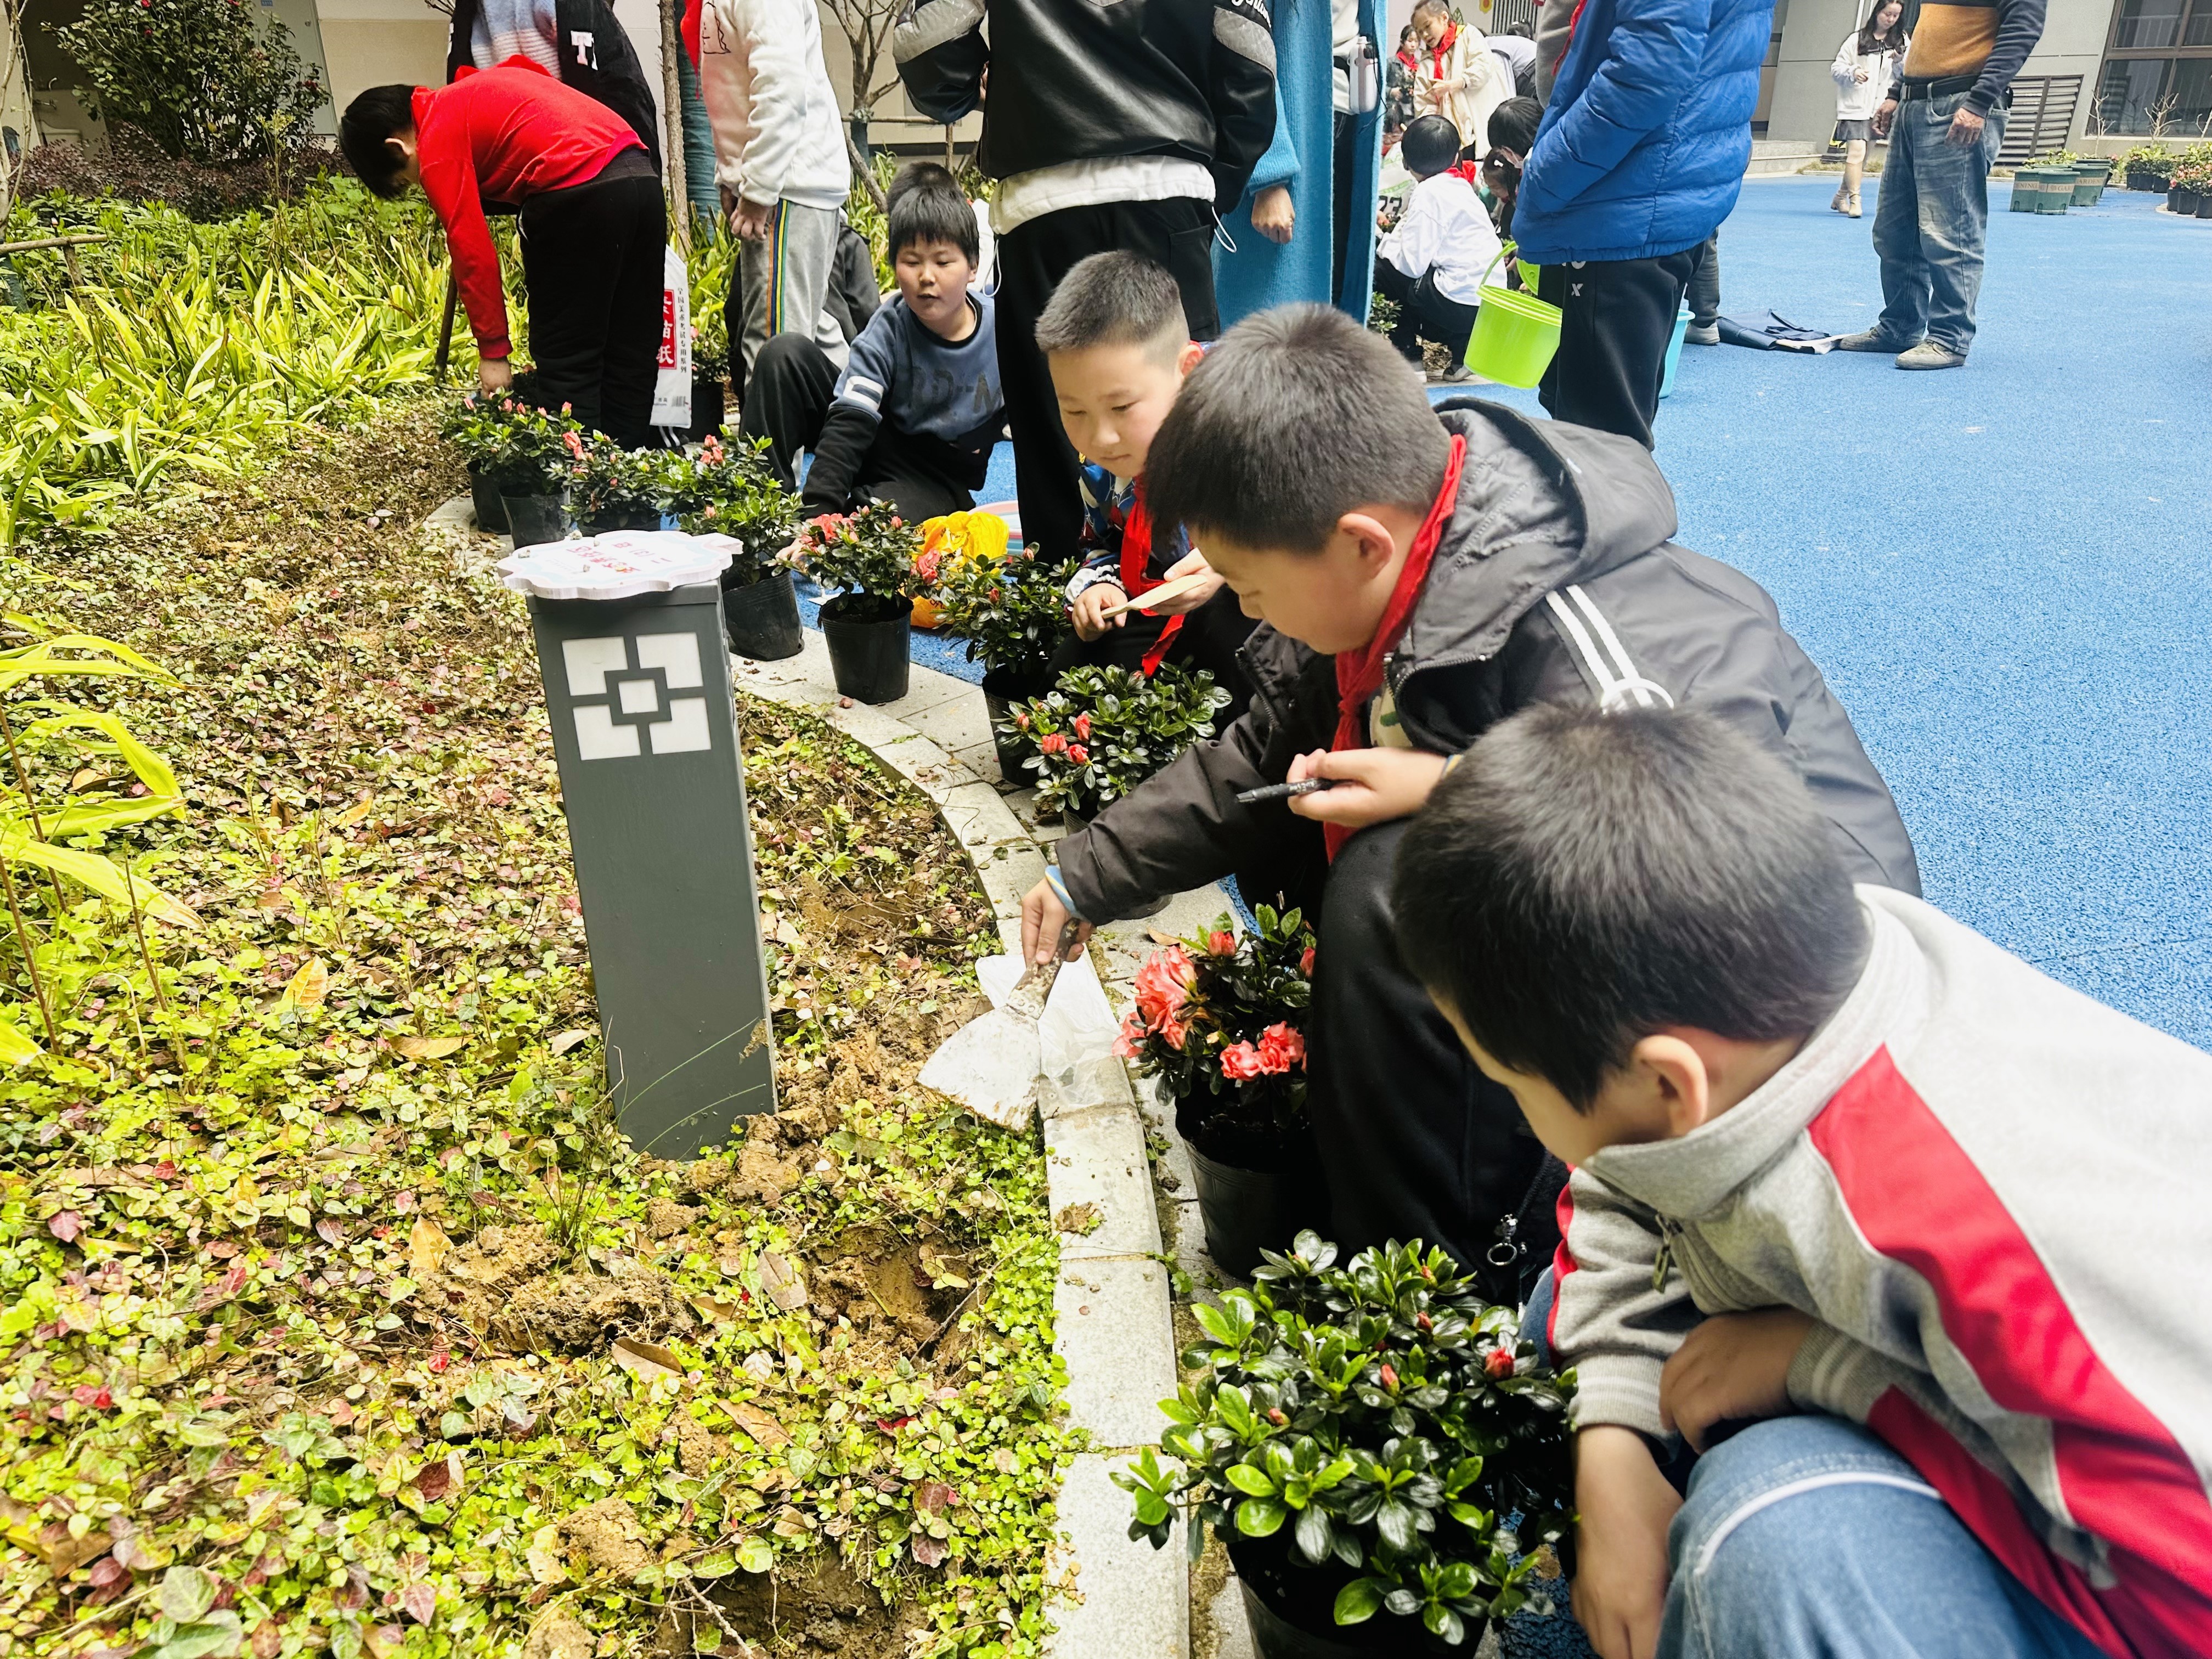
x=912, y=418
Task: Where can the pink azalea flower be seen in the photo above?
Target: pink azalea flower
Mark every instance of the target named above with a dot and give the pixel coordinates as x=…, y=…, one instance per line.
x=1241, y=1063
x=1221, y=944
x=1131, y=1034
x=1079, y=754
x=1305, y=962
x=1163, y=987
x=1052, y=742
x=1172, y=1032
x=1083, y=727
x=1281, y=1048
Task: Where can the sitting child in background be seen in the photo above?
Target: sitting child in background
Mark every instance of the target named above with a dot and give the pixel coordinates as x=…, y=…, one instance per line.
x=1908, y=1240
x=1423, y=573
x=912, y=417
x=1117, y=342
x=1430, y=263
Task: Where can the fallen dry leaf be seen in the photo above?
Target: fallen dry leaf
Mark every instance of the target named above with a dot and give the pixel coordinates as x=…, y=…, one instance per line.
x=421, y=1048
x=646, y=1360
x=427, y=1249
x=567, y=1040
x=310, y=985
x=766, y=1431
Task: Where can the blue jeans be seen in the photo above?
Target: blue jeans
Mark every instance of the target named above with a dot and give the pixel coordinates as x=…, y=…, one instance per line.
x=1931, y=220
x=1809, y=1536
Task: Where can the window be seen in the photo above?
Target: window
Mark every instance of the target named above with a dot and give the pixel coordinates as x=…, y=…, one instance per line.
x=2157, y=76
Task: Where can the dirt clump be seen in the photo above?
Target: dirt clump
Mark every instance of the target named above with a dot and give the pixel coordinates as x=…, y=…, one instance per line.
x=694, y=1445
x=558, y=1636
x=581, y=1313
x=664, y=1217
x=824, y=1610
x=480, y=1278
x=764, y=1174
x=876, y=1282
x=608, y=1537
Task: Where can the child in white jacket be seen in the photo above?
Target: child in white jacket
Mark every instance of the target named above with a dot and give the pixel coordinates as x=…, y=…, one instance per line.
x=1431, y=262
x=780, y=161
x=1865, y=65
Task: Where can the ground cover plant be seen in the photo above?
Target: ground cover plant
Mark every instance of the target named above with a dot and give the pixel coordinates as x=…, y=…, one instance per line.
x=332, y=1313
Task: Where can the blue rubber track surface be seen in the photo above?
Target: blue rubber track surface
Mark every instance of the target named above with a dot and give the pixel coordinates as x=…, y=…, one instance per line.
x=2005, y=570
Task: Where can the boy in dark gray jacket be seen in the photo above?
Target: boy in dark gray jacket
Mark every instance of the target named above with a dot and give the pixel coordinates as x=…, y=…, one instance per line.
x=1423, y=574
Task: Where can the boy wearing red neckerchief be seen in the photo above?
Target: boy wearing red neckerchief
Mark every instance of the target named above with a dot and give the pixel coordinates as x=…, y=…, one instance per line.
x=1421, y=574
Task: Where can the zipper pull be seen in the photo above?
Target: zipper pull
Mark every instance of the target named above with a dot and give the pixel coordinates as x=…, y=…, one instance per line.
x=1665, y=1259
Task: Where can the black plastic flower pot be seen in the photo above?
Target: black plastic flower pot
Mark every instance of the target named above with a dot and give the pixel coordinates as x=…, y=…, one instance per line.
x=1013, y=752
x=867, y=648
x=761, y=619
x=2181, y=202
x=1291, y=1611
x=709, y=407
x=2204, y=205
x=1245, y=1211
x=491, y=508
x=533, y=519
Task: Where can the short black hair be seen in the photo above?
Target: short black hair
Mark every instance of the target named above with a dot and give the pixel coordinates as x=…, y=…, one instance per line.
x=1430, y=146
x=1298, y=416
x=926, y=206
x=1112, y=298
x=380, y=113
x=1583, y=879
x=1513, y=125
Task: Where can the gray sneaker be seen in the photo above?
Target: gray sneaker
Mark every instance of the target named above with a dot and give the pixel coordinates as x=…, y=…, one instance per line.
x=1928, y=354
x=1872, y=339
x=1709, y=335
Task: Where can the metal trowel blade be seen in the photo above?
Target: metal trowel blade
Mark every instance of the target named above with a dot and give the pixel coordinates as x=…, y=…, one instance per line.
x=990, y=1065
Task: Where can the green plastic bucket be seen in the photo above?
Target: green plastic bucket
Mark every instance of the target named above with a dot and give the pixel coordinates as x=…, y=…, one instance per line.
x=2058, y=189
x=2026, y=191
x=2089, y=179
x=1515, y=334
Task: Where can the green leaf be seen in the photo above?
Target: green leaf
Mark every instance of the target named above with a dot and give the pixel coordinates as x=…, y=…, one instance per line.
x=217, y=1636
x=715, y=1563
x=185, y=1594
x=1246, y=1478
x=1360, y=1600
x=756, y=1555
x=1260, y=1517
x=16, y=1048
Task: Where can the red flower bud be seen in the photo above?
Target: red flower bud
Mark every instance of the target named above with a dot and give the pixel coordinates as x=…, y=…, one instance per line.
x=1498, y=1362
x=1275, y=1416
x=1389, y=1376
x=1424, y=1321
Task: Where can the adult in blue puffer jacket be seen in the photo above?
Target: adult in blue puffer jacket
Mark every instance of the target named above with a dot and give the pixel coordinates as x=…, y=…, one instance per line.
x=1641, y=153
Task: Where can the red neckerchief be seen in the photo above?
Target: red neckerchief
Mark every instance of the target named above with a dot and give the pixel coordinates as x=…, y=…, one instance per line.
x=1441, y=49
x=1136, y=574
x=1470, y=171
x=1359, y=673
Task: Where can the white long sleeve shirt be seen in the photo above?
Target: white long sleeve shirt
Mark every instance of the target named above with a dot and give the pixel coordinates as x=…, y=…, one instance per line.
x=778, y=135
x=1447, y=230
x=1857, y=99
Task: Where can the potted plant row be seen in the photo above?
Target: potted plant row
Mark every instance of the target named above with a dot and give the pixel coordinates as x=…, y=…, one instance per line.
x=728, y=489
x=1011, y=607
x=2148, y=167
x=877, y=563
x=1378, y=1450
x=1101, y=731
x=2190, y=192
x=518, y=457
x=1220, y=1020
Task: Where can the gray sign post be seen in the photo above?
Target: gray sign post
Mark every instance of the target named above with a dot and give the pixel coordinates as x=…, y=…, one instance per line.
x=637, y=688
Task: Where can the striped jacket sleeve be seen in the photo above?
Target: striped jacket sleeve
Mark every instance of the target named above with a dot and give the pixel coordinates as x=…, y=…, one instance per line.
x=941, y=54
x=1608, y=1321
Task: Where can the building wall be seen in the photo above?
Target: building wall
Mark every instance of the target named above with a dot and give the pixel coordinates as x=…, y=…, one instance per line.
x=373, y=43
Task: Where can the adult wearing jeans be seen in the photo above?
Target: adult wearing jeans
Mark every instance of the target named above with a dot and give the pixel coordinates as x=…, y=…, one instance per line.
x=1640, y=156
x=1944, y=118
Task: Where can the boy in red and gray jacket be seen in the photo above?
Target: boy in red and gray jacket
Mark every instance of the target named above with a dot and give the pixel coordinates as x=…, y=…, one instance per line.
x=1910, y=1242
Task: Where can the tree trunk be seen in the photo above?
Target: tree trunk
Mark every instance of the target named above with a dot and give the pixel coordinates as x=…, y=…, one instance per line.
x=672, y=119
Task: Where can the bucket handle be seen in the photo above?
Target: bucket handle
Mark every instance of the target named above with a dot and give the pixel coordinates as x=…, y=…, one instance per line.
x=1504, y=250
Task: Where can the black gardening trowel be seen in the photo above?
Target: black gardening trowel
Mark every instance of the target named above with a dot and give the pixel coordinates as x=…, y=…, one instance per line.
x=991, y=1065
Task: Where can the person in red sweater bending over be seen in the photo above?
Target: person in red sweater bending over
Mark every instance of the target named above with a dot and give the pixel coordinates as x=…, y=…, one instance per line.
x=593, y=226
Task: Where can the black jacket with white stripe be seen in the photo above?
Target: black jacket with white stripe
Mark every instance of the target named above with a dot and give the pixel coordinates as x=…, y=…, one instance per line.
x=1555, y=581
x=1081, y=82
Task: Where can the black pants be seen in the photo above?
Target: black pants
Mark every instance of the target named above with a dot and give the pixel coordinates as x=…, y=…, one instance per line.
x=788, y=399
x=1340, y=226
x=1414, y=1141
x=591, y=256
x=1423, y=313
x=1618, y=316
x=1703, y=295
x=1033, y=258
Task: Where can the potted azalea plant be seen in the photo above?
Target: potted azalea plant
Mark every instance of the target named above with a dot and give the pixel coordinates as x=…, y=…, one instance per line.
x=877, y=562
x=1011, y=608
x=1378, y=1448
x=518, y=458
x=1101, y=731
x=1220, y=1020
x=611, y=487
x=729, y=490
